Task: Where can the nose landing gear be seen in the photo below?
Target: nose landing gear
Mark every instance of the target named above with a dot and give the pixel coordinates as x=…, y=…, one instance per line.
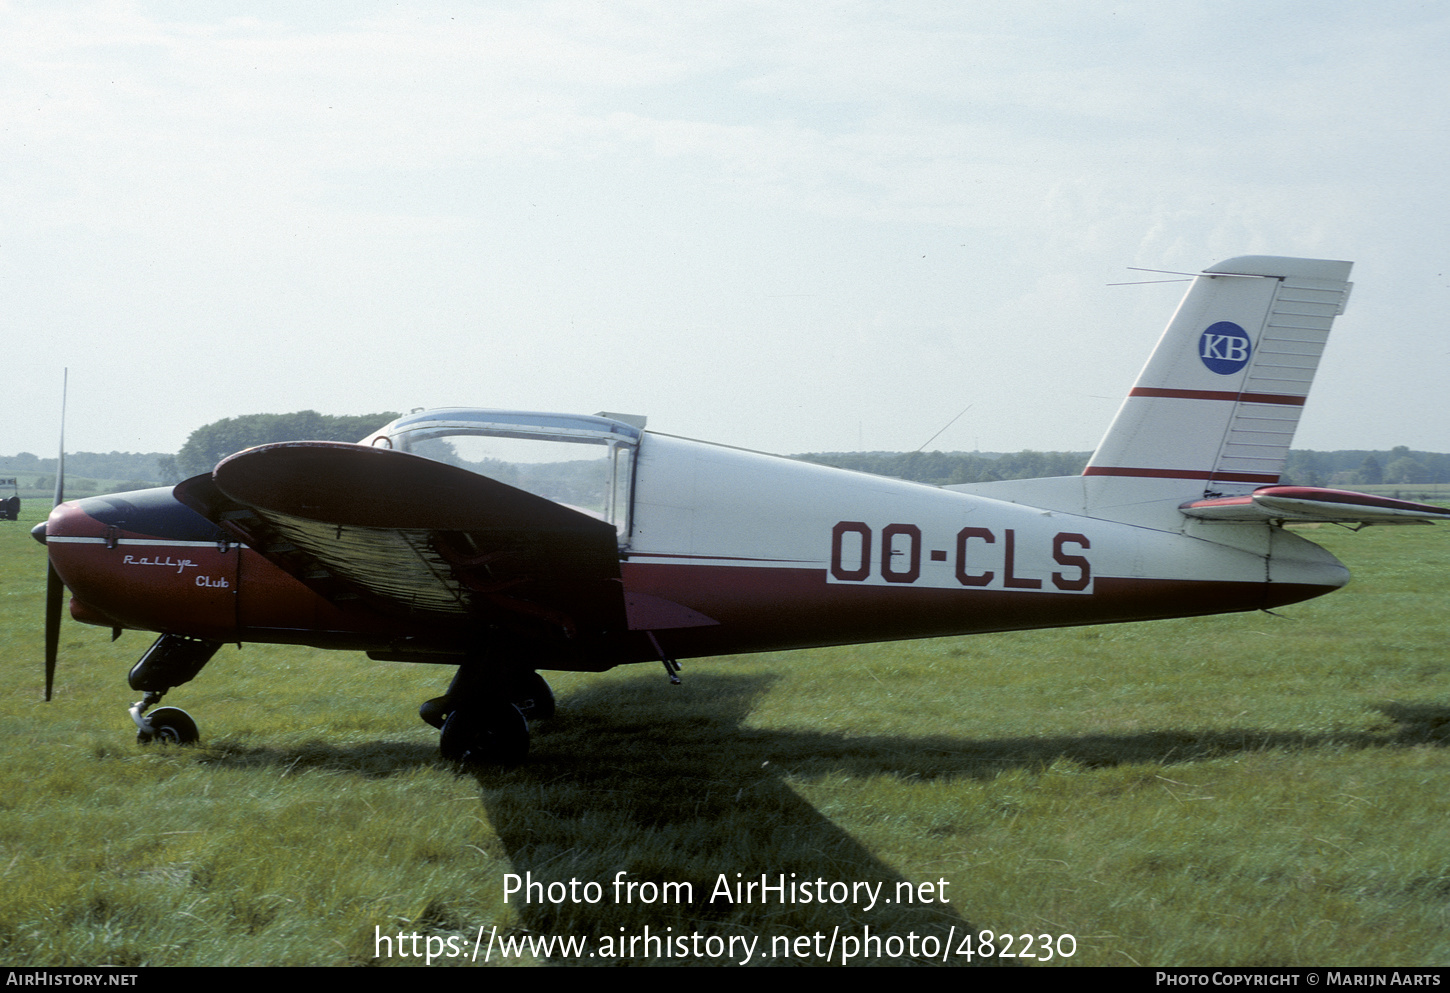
x=170, y=661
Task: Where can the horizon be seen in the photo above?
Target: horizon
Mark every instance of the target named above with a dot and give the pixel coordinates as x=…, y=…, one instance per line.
x=876, y=451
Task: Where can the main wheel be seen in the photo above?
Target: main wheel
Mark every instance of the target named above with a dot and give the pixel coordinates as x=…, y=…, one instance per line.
x=493, y=733
x=171, y=725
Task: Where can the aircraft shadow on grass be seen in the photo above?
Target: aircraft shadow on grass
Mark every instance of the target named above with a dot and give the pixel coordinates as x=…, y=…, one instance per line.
x=672, y=785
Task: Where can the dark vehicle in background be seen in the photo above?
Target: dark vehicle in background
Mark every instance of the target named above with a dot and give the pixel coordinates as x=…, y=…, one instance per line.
x=10, y=501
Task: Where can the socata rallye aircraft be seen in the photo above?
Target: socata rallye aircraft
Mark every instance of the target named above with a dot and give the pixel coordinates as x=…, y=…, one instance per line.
x=504, y=542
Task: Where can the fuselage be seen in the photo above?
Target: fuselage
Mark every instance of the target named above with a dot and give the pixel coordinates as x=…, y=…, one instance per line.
x=763, y=553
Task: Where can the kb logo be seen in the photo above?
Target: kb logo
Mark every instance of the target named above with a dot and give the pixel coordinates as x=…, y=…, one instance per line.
x=1225, y=348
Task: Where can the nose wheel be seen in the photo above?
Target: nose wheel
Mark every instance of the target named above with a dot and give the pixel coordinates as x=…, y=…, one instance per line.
x=169, y=725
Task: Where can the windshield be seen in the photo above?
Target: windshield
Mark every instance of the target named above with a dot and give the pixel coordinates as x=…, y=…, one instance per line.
x=584, y=463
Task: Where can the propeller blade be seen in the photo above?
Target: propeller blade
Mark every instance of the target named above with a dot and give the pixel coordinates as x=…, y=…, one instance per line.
x=54, y=593
x=54, y=588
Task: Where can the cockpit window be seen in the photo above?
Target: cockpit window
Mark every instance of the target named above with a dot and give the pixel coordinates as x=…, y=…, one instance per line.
x=584, y=463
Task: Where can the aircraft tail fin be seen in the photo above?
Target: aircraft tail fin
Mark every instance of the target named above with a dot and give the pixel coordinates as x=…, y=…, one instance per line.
x=1216, y=406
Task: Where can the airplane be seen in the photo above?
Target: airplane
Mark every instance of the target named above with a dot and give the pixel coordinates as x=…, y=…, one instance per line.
x=503, y=542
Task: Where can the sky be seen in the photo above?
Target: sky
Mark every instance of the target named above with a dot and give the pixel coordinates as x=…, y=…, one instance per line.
x=817, y=226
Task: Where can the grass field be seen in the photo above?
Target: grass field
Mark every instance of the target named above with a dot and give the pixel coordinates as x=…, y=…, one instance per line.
x=1240, y=790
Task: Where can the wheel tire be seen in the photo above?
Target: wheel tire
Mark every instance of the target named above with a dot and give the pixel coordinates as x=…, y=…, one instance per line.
x=170, y=725
x=532, y=695
x=485, y=734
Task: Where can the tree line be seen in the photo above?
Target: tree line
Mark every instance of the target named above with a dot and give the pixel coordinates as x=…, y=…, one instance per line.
x=96, y=465
x=1350, y=467
x=210, y=443
x=947, y=468
x=204, y=448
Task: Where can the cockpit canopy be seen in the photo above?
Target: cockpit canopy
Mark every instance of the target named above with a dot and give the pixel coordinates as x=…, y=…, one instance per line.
x=585, y=463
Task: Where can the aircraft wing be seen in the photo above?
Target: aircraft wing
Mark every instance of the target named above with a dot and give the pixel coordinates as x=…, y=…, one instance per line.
x=405, y=535
x=1311, y=503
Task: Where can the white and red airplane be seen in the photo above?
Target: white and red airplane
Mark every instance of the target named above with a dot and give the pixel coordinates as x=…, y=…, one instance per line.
x=503, y=542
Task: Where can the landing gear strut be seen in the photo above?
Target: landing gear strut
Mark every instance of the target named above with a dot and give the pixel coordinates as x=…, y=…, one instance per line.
x=170, y=661
x=484, y=719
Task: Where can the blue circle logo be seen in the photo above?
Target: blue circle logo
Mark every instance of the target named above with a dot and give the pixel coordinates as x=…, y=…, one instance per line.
x=1225, y=348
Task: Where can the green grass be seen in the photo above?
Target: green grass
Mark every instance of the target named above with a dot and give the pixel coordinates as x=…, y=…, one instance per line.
x=37, y=499
x=1241, y=790
x=1437, y=493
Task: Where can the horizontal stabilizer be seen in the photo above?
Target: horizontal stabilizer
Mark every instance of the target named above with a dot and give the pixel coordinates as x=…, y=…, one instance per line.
x=1311, y=503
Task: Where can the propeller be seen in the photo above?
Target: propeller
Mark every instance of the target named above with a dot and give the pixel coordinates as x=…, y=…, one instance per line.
x=54, y=588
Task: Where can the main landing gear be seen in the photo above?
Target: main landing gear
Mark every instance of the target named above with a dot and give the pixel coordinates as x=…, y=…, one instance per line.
x=484, y=717
x=484, y=720
x=172, y=660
